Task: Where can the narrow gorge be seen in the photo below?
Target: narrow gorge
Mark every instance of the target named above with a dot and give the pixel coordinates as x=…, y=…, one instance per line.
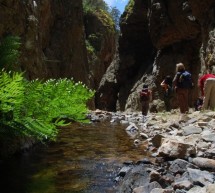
x=60, y=40
x=105, y=145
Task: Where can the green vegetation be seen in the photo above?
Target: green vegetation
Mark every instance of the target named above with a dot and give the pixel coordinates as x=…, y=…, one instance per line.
x=90, y=48
x=129, y=7
x=110, y=15
x=92, y=5
x=107, y=20
x=9, y=52
x=97, y=9
x=35, y=108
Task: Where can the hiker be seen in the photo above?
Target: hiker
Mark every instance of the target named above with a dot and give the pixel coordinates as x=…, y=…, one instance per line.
x=182, y=82
x=206, y=84
x=166, y=84
x=145, y=98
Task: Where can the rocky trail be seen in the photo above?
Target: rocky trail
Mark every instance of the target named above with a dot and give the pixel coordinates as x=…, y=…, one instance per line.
x=182, y=149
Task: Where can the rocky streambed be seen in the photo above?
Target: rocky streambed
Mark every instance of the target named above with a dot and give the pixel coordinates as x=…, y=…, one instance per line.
x=182, y=149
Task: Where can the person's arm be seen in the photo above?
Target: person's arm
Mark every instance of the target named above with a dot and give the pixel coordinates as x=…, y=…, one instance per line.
x=150, y=96
x=201, y=85
x=164, y=85
x=202, y=88
x=174, y=82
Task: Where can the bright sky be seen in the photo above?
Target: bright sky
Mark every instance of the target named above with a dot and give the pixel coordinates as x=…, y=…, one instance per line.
x=120, y=4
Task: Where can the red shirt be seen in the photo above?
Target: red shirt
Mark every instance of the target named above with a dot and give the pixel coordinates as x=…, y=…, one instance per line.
x=202, y=80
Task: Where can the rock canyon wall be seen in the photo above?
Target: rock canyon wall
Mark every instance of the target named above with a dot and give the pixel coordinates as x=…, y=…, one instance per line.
x=155, y=36
x=53, y=36
x=60, y=40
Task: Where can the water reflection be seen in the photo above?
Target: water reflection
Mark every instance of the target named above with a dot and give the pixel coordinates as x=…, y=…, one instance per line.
x=84, y=159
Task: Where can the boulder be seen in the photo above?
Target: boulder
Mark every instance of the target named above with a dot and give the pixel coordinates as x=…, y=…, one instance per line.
x=188, y=130
x=202, y=178
x=175, y=149
x=156, y=140
x=204, y=163
x=147, y=187
x=179, y=166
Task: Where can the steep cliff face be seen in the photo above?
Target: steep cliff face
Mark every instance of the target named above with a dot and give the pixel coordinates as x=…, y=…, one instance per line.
x=204, y=11
x=65, y=53
x=52, y=34
x=101, y=43
x=156, y=35
x=177, y=37
x=136, y=51
x=18, y=18
x=184, y=34
x=58, y=40
x=135, y=56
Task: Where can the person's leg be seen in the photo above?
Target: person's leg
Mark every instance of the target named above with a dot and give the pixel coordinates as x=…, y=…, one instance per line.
x=167, y=103
x=207, y=91
x=212, y=94
x=145, y=107
x=181, y=102
x=185, y=100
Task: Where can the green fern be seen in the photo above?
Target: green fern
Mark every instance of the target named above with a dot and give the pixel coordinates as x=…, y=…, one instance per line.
x=9, y=51
x=11, y=91
x=36, y=109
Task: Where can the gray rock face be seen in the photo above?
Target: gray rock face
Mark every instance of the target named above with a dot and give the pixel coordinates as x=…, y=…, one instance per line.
x=188, y=130
x=202, y=178
x=136, y=177
x=179, y=166
x=209, y=137
x=147, y=187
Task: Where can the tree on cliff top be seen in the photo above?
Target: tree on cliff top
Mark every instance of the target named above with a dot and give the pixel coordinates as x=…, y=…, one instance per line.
x=95, y=4
x=113, y=12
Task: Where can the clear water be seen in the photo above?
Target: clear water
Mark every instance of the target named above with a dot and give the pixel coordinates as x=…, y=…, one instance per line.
x=85, y=159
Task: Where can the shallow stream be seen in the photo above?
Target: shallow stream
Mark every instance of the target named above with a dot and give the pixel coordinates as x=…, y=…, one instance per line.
x=85, y=159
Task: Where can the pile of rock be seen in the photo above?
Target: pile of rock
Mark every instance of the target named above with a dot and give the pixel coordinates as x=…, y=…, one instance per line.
x=182, y=151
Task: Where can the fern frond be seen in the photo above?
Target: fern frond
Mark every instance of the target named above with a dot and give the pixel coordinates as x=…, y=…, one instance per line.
x=9, y=51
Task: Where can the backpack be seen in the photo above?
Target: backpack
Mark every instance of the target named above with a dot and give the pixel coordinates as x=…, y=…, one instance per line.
x=185, y=80
x=144, y=95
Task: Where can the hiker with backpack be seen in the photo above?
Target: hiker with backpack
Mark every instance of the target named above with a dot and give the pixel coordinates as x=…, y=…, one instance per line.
x=145, y=98
x=166, y=84
x=182, y=82
x=206, y=84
